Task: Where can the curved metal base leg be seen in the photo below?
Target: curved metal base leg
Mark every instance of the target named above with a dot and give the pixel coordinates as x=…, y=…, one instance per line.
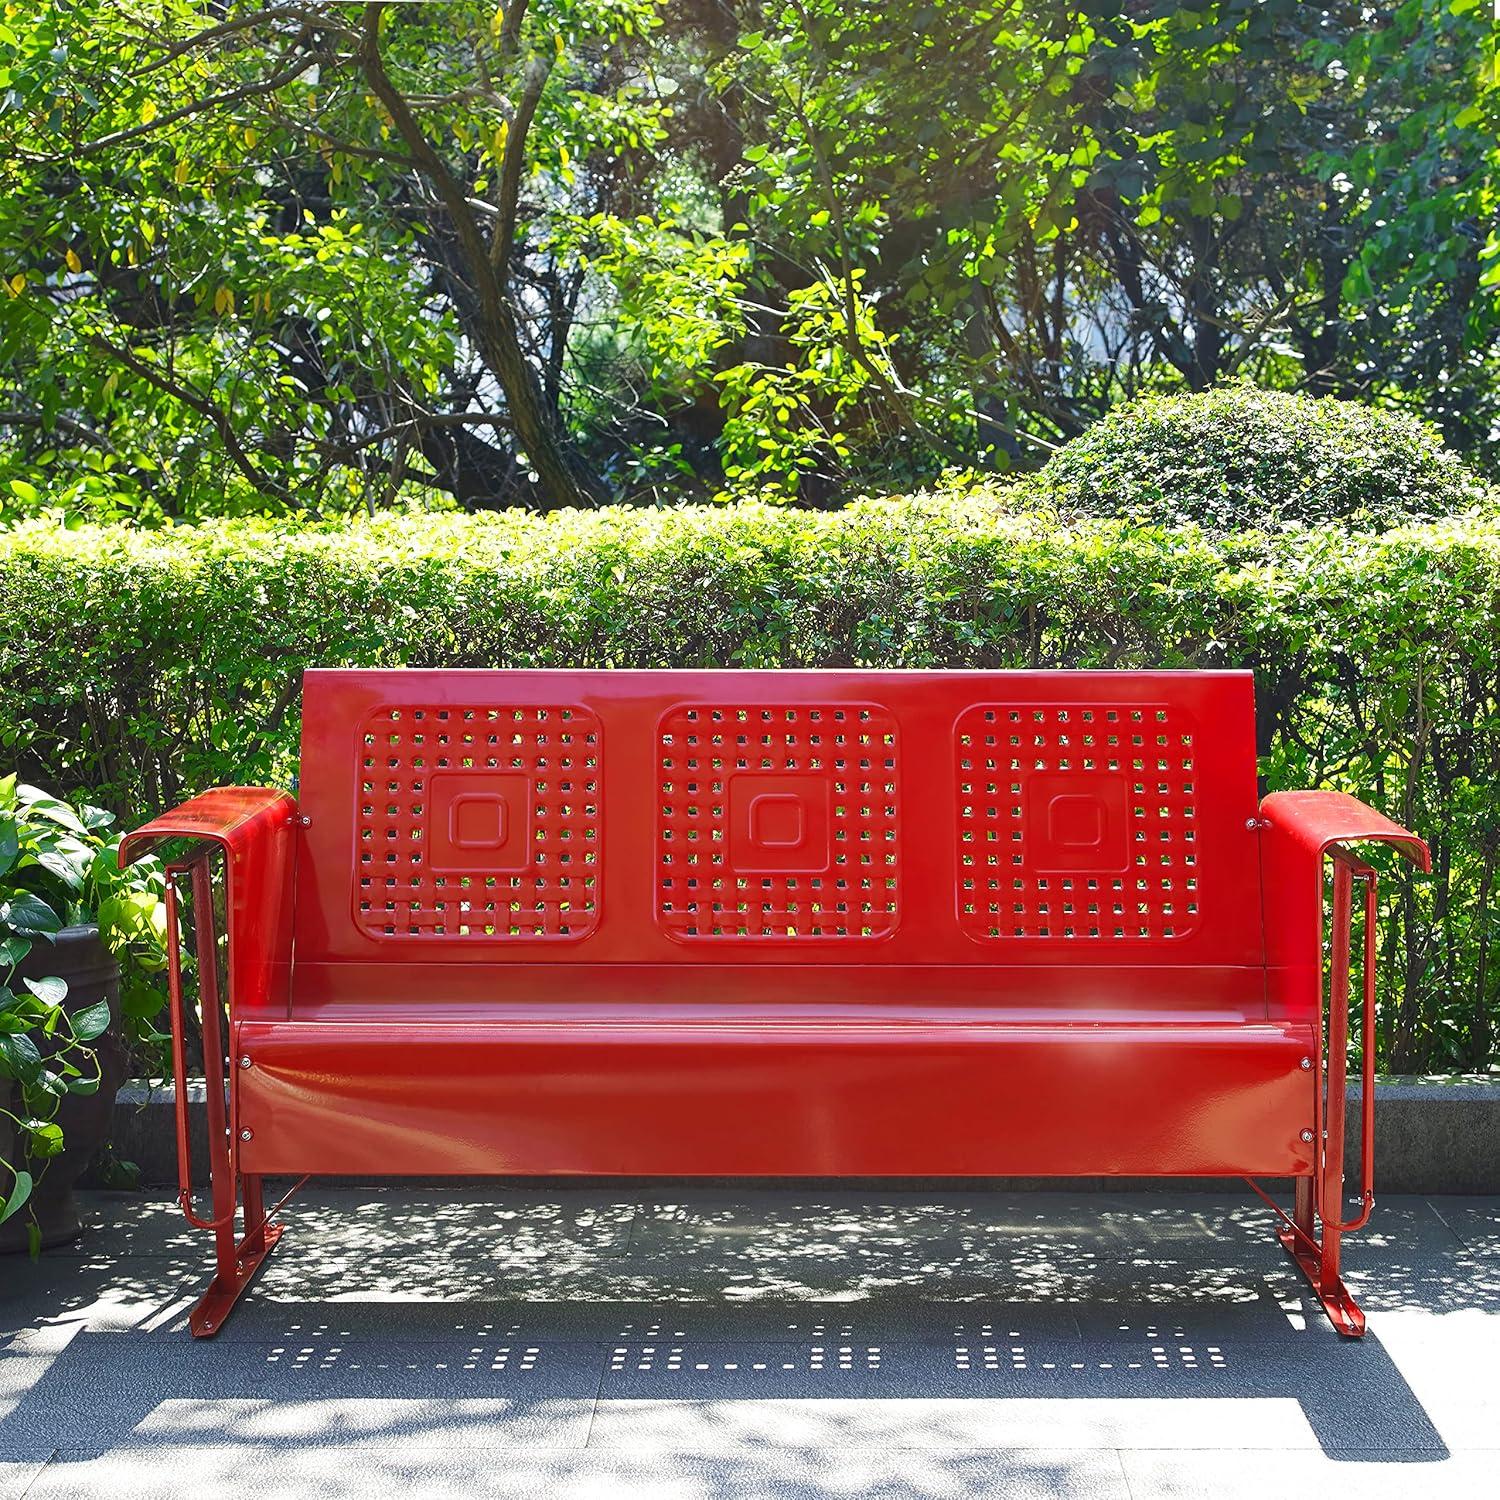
x=224, y=1291
x=1343, y=1311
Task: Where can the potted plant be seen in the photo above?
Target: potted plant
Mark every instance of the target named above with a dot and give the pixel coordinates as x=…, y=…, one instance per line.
x=69, y=920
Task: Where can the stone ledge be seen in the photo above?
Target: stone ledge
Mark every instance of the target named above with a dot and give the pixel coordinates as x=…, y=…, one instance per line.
x=1432, y=1135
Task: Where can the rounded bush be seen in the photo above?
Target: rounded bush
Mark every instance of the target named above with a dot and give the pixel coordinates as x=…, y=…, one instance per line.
x=1239, y=458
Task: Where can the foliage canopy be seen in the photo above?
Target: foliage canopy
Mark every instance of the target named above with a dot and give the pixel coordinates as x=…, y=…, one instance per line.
x=312, y=257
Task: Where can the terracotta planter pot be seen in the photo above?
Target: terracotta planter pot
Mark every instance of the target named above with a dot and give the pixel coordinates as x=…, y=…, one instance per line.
x=93, y=975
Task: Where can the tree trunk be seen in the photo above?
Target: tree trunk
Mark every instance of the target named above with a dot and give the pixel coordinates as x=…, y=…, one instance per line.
x=563, y=481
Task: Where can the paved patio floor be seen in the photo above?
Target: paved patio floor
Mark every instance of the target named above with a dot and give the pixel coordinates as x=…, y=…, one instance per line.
x=802, y=1341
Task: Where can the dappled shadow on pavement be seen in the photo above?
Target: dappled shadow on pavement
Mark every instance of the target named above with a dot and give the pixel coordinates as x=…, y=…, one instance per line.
x=694, y=1317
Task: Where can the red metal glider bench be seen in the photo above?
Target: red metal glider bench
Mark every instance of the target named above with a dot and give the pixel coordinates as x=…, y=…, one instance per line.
x=829, y=923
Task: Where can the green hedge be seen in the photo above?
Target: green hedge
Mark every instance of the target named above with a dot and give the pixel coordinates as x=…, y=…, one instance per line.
x=144, y=665
x=1238, y=456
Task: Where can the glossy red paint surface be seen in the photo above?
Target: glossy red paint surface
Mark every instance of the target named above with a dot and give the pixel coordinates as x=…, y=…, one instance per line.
x=903, y=921
x=849, y=906
x=763, y=1095
x=1300, y=829
x=255, y=827
x=740, y=819
x=783, y=923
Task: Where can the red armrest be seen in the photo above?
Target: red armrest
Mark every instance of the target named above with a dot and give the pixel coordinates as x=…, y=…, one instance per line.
x=1316, y=821
x=1299, y=830
x=232, y=816
x=256, y=828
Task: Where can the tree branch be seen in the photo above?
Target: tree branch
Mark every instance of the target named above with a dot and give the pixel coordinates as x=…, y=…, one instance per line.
x=210, y=411
x=537, y=71
x=497, y=333
x=266, y=86
x=455, y=199
x=243, y=23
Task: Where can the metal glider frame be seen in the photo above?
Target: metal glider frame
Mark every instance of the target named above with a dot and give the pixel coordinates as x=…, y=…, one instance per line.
x=237, y=1261
x=1319, y=1197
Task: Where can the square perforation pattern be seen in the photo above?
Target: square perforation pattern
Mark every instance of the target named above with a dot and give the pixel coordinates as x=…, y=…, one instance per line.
x=478, y=824
x=1076, y=822
x=778, y=823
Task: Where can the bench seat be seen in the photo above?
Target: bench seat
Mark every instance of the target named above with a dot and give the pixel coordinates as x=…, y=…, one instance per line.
x=741, y=1090
x=1148, y=992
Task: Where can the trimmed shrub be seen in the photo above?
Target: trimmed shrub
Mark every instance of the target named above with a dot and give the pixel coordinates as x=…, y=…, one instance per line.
x=145, y=666
x=1239, y=457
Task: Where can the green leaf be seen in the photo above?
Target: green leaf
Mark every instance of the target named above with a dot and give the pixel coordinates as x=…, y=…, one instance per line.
x=51, y=988
x=141, y=1001
x=13, y=948
x=45, y=1137
x=19, y=1193
x=39, y=804
x=68, y=860
x=19, y=1058
x=29, y=914
x=87, y=1024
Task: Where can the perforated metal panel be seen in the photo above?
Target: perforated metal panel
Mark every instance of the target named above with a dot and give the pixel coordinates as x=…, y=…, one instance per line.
x=1076, y=822
x=778, y=823
x=478, y=823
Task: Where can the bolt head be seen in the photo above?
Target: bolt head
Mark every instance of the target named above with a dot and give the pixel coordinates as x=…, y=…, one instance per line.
x=245, y=1062
x=1307, y=1136
x=247, y=1134
x=1306, y=1064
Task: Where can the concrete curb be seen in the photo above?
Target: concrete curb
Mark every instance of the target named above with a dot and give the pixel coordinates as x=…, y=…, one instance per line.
x=1432, y=1135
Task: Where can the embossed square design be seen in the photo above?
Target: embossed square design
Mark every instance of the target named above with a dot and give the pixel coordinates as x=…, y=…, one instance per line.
x=481, y=823
x=478, y=823
x=1076, y=821
x=778, y=823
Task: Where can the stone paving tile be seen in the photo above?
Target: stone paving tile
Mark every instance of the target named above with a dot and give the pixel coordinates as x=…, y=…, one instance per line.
x=1476, y=1222
x=821, y=1222
x=1204, y=1226
x=911, y=1343
x=101, y=1390
x=1448, y=1361
x=17, y=1476
x=103, y=1292
x=946, y=1423
x=1250, y=1474
x=1405, y=1276
x=383, y=1221
x=549, y=1270
x=790, y=1473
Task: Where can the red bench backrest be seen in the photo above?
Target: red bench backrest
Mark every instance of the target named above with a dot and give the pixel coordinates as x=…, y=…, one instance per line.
x=738, y=819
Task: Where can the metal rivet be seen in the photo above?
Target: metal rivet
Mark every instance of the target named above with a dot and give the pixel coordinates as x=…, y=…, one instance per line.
x=245, y=1062
x=1306, y=1064
x=1307, y=1135
x=305, y=821
x=247, y=1134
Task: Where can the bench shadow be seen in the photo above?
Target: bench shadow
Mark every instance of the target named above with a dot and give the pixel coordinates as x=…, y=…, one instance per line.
x=1003, y=1325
